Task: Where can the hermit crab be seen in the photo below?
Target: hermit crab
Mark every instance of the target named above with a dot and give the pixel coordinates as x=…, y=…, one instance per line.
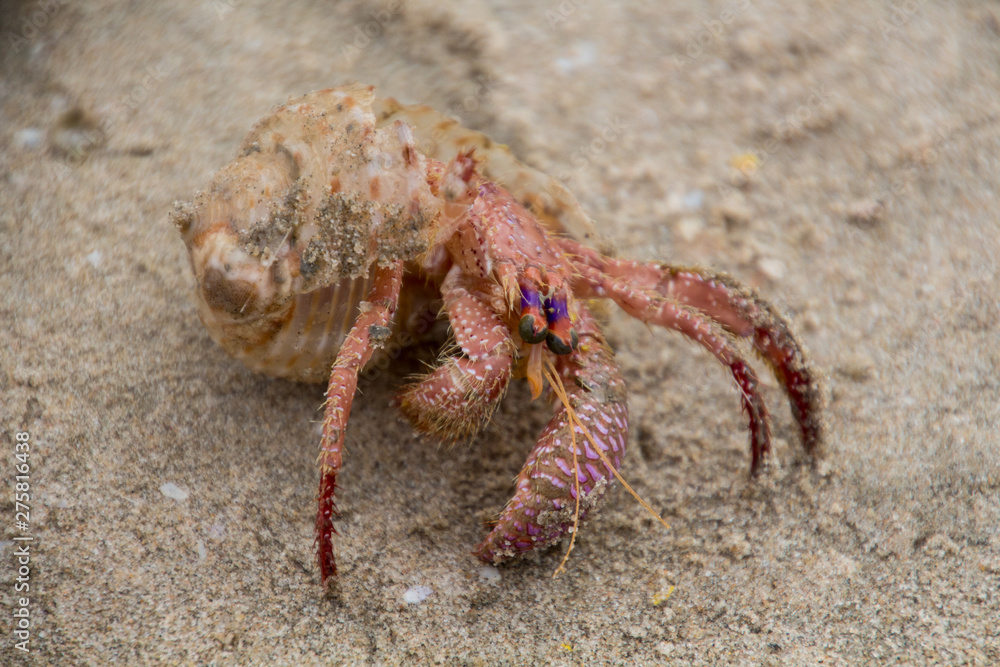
x=346, y=220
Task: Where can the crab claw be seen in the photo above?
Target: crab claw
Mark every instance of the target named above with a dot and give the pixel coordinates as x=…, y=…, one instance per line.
x=564, y=478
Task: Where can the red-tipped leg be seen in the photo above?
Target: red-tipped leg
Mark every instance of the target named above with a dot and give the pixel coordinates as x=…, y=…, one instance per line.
x=738, y=309
x=544, y=506
x=369, y=332
x=745, y=314
x=654, y=308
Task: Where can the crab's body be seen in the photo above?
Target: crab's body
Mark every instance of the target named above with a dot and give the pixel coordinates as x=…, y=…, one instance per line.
x=345, y=220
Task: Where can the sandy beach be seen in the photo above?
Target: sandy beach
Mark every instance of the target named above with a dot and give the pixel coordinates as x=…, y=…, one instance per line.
x=841, y=158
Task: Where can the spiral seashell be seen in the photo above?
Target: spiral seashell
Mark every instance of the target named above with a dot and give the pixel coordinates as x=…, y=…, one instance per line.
x=282, y=241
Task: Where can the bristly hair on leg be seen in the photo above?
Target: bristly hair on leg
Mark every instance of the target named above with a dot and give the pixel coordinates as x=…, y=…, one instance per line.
x=560, y=390
x=557, y=386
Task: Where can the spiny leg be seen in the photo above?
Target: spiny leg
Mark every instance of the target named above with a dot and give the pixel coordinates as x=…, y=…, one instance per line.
x=460, y=395
x=544, y=505
x=742, y=313
x=367, y=333
x=655, y=308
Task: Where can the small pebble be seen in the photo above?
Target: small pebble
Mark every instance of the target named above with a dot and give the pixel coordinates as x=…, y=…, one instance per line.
x=941, y=545
x=866, y=213
x=736, y=546
x=772, y=268
x=992, y=565
x=489, y=574
x=857, y=367
x=664, y=648
x=29, y=138
x=853, y=296
x=76, y=134
x=171, y=490
x=732, y=214
x=417, y=594
x=694, y=199
x=688, y=228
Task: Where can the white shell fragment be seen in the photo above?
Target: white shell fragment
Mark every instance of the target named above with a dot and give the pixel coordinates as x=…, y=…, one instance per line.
x=489, y=574
x=171, y=490
x=417, y=594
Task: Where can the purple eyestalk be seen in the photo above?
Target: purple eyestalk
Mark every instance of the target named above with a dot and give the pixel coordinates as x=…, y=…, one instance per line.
x=561, y=337
x=532, y=325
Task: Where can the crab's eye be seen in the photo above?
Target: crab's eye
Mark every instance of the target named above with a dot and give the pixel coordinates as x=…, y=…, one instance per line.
x=561, y=337
x=559, y=346
x=532, y=326
x=530, y=331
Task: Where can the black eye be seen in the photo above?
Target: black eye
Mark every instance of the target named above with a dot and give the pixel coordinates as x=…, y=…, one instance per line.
x=558, y=345
x=530, y=330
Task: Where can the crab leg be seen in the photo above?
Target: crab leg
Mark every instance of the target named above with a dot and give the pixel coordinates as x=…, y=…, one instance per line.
x=544, y=505
x=741, y=312
x=366, y=336
x=654, y=308
x=460, y=395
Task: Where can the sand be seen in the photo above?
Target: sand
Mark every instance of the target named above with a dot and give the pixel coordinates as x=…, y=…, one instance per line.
x=840, y=157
